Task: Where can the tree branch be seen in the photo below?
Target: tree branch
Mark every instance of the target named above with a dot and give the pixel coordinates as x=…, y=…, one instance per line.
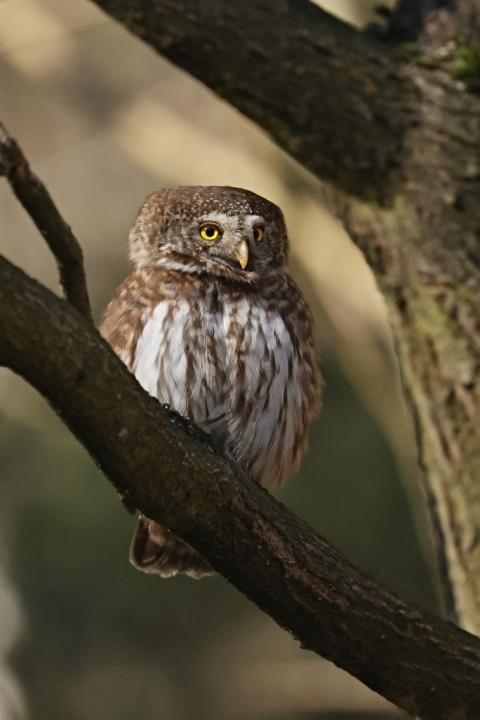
x=34, y=197
x=322, y=90
x=404, y=136
x=290, y=572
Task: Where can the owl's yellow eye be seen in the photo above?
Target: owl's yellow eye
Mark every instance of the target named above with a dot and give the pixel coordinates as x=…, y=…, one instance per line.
x=210, y=232
x=259, y=233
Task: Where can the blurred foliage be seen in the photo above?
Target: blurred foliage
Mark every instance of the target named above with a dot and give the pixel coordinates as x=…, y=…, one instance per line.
x=467, y=69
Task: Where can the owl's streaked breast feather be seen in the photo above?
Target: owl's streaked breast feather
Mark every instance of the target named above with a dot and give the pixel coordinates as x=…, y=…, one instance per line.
x=226, y=360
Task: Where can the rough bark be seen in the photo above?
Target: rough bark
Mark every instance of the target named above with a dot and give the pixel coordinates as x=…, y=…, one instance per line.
x=397, y=143
x=321, y=90
x=425, y=253
x=164, y=467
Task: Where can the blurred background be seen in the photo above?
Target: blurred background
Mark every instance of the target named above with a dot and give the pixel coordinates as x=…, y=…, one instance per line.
x=104, y=121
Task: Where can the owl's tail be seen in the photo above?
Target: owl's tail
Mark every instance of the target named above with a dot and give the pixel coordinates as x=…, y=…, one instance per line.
x=158, y=551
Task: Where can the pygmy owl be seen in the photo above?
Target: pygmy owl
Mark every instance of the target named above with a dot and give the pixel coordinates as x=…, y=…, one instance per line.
x=211, y=323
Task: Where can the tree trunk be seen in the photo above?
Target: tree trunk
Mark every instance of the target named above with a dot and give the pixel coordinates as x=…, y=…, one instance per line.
x=425, y=252
x=426, y=257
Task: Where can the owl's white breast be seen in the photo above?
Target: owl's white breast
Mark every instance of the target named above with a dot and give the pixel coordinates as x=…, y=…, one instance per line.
x=231, y=367
x=266, y=401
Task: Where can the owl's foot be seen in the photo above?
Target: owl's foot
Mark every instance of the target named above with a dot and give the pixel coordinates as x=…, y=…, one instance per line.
x=156, y=550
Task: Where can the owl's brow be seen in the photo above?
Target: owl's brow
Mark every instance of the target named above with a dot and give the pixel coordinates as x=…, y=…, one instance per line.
x=252, y=220
x=218, y=217
x=249, y=219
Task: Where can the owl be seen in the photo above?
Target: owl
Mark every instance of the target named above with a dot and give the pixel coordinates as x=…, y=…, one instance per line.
x=210, y=323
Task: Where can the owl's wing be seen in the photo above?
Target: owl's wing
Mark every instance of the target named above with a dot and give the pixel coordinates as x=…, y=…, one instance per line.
x=124, y=318
x=298, y=319
x=298, y=377
x=154, y=549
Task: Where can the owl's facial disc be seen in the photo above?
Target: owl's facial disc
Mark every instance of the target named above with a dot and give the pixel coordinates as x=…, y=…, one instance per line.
x=224, y=231
x=233, y=239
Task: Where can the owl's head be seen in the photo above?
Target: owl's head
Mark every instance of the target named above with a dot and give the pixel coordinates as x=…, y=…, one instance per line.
x=224, y=231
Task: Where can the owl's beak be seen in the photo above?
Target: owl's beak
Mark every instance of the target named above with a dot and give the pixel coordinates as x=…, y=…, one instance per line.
x=241, y=254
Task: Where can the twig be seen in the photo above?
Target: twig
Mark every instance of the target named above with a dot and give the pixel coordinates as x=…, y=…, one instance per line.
x=289, y=571
x=36, y=200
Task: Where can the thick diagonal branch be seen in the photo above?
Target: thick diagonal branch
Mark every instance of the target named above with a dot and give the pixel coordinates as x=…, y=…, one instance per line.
x=289, y=571
x=36, y=200
x=326, y=94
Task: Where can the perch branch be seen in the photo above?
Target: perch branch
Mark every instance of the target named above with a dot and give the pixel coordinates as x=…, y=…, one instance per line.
x=426, y=666
x=36, y=200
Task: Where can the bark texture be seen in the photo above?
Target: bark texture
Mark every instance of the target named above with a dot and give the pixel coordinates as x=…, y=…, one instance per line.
x=398, y=146
x=425, y=665
x=324, y=92
x=425, y=253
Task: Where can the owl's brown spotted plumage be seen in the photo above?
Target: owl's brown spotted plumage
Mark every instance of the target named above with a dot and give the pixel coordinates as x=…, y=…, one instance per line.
x=210, y=322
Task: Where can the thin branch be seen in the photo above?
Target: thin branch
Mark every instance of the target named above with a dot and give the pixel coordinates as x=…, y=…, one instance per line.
x=35, y=198
x=329, y=95
x=425, y=665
